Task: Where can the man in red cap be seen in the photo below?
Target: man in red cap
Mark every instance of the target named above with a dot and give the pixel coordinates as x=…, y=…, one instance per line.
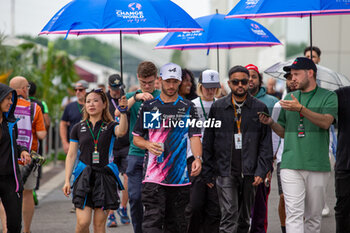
x=259, y=210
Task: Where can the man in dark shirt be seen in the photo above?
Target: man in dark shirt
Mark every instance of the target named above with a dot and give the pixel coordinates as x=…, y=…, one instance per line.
x=238, y=155
x=120, y=149
x=72, y=113
x=342, y=165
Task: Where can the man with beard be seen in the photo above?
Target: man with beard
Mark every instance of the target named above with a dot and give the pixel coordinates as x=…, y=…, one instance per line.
x=305, y=118
x=164, y=121
x=259, y=210
x=237, y=156
x=277, y=145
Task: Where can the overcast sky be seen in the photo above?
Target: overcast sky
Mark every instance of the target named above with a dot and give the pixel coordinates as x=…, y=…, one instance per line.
x=32, y=15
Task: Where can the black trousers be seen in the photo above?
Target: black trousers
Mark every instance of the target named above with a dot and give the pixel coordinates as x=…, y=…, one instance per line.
x=236, y=198
x=12, y=202
x=164, y=208
x=342, y=206
x=203, y=211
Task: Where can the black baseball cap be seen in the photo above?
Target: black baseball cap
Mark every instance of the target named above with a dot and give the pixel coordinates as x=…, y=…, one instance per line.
x=301, y=63
x=115, y=82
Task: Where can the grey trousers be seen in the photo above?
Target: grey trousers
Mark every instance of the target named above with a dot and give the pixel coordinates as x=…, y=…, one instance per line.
x=236, y=198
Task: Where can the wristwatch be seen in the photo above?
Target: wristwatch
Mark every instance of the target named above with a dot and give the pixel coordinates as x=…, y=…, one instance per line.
x=135, y=95
x=199, y=157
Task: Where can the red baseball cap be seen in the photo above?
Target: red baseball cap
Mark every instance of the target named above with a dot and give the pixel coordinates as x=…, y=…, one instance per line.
x=252, y=67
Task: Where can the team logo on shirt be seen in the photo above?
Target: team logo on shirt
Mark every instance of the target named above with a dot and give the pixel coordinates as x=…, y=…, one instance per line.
x=151, y=120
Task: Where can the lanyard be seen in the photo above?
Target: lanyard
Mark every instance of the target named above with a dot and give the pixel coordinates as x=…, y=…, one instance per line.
x=238, y=121
x=204, y=113
x=79, y=108
x=98, y=135
x=113, y=102
x=307, y=102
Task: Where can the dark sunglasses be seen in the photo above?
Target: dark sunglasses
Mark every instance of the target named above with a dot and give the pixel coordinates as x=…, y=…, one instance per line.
x=79, y=89
x=236, y=82
x=97, y=90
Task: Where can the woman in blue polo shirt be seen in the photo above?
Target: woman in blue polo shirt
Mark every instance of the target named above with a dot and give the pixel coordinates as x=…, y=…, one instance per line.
x=96, y=176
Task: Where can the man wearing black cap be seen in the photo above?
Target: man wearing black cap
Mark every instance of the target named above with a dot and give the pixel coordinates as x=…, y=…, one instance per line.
x=305, y=118
x=120, y=149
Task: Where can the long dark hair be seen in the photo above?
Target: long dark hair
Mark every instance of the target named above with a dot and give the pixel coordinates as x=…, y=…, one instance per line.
x=192, y=95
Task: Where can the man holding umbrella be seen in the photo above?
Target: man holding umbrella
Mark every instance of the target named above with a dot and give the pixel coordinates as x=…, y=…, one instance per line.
x=304, y=120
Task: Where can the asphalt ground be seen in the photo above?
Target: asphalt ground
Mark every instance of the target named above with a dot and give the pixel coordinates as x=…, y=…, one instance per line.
x=53, y=212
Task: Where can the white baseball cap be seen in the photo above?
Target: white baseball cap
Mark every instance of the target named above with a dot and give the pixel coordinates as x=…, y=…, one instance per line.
x=169, y=71
x=210, y=79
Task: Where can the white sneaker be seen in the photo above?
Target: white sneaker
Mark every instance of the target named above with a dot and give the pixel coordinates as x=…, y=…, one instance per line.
x=326, y=211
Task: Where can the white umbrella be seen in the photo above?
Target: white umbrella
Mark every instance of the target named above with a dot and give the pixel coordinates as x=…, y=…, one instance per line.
x=326, y=78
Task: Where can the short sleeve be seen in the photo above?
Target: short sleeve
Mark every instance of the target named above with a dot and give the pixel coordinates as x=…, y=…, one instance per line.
x=193, y=130
x=65, y=116
x=74, y=136
x=38, y=122
x=331, y=105
x=139, y=130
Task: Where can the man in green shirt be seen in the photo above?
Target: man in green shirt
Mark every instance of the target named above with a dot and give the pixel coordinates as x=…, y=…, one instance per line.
x=147, y=75
x=305, y=118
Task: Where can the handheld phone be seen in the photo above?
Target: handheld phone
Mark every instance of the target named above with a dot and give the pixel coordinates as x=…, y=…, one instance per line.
x=264, y=113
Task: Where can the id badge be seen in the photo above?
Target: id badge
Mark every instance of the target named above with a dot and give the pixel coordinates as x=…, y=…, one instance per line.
x=301, y=131
x=238, y=141
x=95, y=157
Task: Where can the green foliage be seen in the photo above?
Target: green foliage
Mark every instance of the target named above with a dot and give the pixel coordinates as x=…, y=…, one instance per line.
x=294, y=49
x=176, y=58
x=52, y=70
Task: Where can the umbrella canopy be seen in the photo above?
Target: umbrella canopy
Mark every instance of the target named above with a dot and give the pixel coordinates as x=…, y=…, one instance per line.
x=81, y=17
x=326, y=78
x=220, y=33
x=288, y=8
x=89, y=17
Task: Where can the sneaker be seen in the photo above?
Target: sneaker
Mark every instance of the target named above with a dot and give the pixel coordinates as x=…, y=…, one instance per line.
x=123, y=213
x=326, y=211
x=35, y=197
x=111, y=221
x=72, y=210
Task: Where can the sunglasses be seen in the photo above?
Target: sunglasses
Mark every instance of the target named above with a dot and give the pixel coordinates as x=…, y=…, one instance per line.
x=79, y=90
x=236, y=82
x=97, y=90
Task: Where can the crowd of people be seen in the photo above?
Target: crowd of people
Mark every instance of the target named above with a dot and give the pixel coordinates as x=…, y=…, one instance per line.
x=192, y=158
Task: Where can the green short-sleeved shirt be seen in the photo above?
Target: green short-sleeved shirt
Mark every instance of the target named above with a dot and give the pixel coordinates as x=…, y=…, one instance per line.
x=311, y=151
x=134, y=150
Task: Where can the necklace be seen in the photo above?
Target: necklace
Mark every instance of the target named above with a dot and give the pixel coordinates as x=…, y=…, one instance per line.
x=239, y=110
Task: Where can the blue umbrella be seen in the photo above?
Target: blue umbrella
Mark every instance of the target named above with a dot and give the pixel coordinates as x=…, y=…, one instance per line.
x=289, y=8
x=88, y=17
x=220, y=33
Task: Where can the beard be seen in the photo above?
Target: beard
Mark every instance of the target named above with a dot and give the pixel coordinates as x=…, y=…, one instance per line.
x=169, y=94
x=253, y=90
x=239, y=94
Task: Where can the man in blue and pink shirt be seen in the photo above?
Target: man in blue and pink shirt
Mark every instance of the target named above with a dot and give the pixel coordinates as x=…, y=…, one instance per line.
x=166, y=122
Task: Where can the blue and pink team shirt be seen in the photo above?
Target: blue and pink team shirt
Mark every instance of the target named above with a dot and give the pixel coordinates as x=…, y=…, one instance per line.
x=170, y=124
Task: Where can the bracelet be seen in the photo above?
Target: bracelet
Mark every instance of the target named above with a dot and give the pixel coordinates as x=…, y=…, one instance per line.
x=122, y=110
x=301, y=108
